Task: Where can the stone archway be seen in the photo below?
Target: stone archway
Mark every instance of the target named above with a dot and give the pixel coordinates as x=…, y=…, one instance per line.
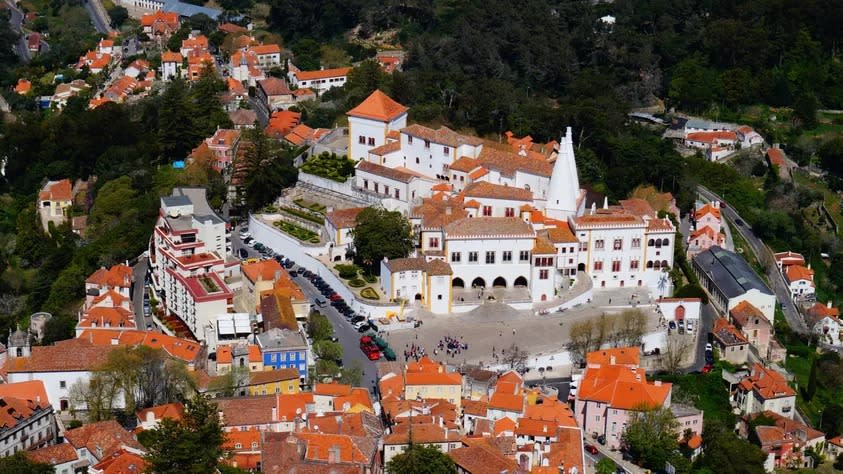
x=520, y=281
x=418, y=297
x=500, y=282
x=478, y=283
x=679, y=313
x=457, y=283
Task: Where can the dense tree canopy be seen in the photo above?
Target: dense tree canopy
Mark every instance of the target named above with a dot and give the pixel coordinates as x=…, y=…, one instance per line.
x=380, y=233
x=418, y=459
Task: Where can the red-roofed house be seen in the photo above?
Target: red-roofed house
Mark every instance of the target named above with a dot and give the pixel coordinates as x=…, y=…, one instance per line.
x=23, y=86
x=339, y=224
x=428, y=379
x=800, y=280
x=608, y=395
x=389, y=63
x=764, y=390
x=98, y=441
x=703, y=239
x=62, y=457
x=786, y=259
x=754, y=325
x=118, y=278
x=125, y=460
x=26, y=423
x=785, y=443
x=371, y=121
x=160, y=24
x=281, y=123
x=731, y=344
x=148, y=418
x=319, y=81
x=274, y=94
x=220, y=149
x=402, y=435
x=825, y=322
x=708, y=215
x=54, y=202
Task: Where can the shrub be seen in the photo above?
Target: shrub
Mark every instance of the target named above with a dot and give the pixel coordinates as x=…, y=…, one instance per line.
x=296, y=231
x=347, y=271
x=370, y=278
x=330, y=166
x=304, y=215
x=691, y=291
x=356, y=283
x=369, y=293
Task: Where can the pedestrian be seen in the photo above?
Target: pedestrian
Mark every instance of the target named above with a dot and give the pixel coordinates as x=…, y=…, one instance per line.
x=500, y=333
x=513, y=331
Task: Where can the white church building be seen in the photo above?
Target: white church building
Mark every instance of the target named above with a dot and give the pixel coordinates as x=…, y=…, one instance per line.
x=497, y=220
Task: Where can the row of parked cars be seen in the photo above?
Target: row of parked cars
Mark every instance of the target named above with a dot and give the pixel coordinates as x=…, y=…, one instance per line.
x=334, y=299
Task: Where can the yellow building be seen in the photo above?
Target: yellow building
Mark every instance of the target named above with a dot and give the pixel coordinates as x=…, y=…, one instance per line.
x=54, y=201
x=271, y=382
x=427, y=379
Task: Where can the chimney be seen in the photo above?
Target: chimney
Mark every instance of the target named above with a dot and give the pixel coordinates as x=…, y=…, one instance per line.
x=612, y=360
x=657, y=383
x=274, y=413
x=605, y=202
x=829, y=303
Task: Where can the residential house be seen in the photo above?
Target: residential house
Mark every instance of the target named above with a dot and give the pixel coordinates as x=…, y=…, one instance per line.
x=194, y=45
x=95, y=61
x=302, y=135
x=171, y=65
x=26, y=423
x=268, y=382
x=54, y=203
x=786, y=441
x=764, y=390
x=834, y=447
x=33, y=42
x=487, y=454
x=786, y=259
x=318, y=452
x=703, y=239
x=118, y=278
x=389, y=63
x=283, y=305
x=708, y=215
x=752, y=323
x=62, y=457
x=507, y=400
x=149, y=418
x=609, y=393
x=98, y=441
x=283, y=348
x=187, y=261
x=800, y=281
x=732, y=346
x=477, y=383
x=281, y=122
x=747, y=137
x=238, y=355
x=428, y=379
x=274, y=94
x=243, y=119
x=730, y=280
x=776, y=157
x=235, y=96
x=244, y=448
x=122, y=461
x=218, y=150
x=189, y=352
x=138, y=69
x=65, y=91
x=337, y=397
x=23, y=87
x=401, y=436
x=160, y=24
x=319, y=81
x=279, y=412
x=824, y=321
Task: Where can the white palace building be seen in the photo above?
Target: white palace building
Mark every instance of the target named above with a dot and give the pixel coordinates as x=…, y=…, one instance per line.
x=496, y=216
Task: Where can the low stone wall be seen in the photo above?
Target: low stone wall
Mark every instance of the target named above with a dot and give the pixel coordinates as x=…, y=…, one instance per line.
x=306, y=257
x=325, y=183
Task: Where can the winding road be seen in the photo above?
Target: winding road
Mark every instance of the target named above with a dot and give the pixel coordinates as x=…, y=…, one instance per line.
x=98, y=16
x=16, y=22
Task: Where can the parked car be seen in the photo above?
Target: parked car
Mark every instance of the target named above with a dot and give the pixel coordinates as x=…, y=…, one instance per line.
x=591, y=449
x=707, y=368
x=690, y=327
x=289, y=264
x=358, y=324
x=671, y=325
x=293, y=273
x=243, y=253
x=335, y=297
x=245, y=235
x=709, y=347
x=363, y=328
x=357, y=319
x=320, y=302
x=373, y=326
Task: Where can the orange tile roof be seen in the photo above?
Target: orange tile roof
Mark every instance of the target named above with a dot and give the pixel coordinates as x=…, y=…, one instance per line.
x=291, y=405
x=486, y=190
x=423, y=433
x=64, y=356
x=266, y=49
x=610, y=218
x=568, y=450
x=711, y=137
x=184, y=349
x=378, y=106
x=660, y=224
x=102, y=316
x=357, y=397
x=489, y=226
x=707, y=231
x=504, y=425
x=695, y=441
x=247, y=439
x=101, y=438
x=121, y=462
x=224, y=354
x=482, y=458
x=171, y=18
x=789, y=257
x=173, y=411
x=266, y=270
x=195, y=42
x=767, y=383
x=443, y=135
x=798, y=272
x=344, y=218
x=23, y=86
x=282, y=123
x=53, y=455
x=27, y=390
x=507, y=402
x=171, y=57
x=322, y=74
x=532, y=427
x=562, y=234
x=637, y=206
x=743, y=313
x=464, y=164
x=543, y=246
x=508, y=163
x=727, y=334
x=17, y=410
x=272, y=376
x=319, y=447
x=622, y=388
x=332, y=389
x=474, y=407
x=391, y=385
x=708, y=208
x=61, y=190
x=428, y=378
x=118, y=276
x=255, y=353
x=819, y=311
x=776, y=157
x=615, y=356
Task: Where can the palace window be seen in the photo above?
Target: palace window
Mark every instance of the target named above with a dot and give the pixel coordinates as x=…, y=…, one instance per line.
x=598, y=266
x=456, y=257
x=636, y=243
x=598, y=244
x=509, y=212
x=487, y=211
x=543, y=274
x=433, y=242
x=490, y=257
x=616, y=266
x=472, y=257
x=618, y=244
x=507, y=256
x=524, y=256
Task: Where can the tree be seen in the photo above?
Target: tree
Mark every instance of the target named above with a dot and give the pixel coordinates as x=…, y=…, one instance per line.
x=177, y=134
x=18, y=463
x=204, y=95
x=352, y=375
x=674, y=353
x=515, y=358
x=381, y=234
x=190, y=445
x=633, y=324
x=811, y=389
x=805, y=110
x=118, y=15
x=327, y=350
x=110, y=207
x=650, y=436
x=726, y=453
x=319, y=328
x=581, y=339
x=421, y=459
x=96, y=397
x=264, y=169
x=605, y=466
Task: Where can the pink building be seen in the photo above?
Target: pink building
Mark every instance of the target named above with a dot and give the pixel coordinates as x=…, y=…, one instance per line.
x=702, y=239
x=754, y=326
x=708, y=215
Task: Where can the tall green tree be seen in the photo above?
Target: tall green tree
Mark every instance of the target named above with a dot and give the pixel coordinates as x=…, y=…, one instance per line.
x=18, y=463
x=191, y=445
x=380, y=233
x=651, y=437
x=726, y=453
x=264, y=169
x=177, y=134
x=421, y=459
x=204, y=95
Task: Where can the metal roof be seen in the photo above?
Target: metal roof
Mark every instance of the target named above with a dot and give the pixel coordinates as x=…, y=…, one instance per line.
x=187, y=10
x=729, y=272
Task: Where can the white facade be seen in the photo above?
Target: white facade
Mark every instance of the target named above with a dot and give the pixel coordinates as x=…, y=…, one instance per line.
x=170, y=70
x=367, y=133
x=56, y=384
x=828, y=330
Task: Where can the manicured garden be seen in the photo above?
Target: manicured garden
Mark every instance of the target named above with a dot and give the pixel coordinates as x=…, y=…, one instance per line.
x=313, y=206
x=298, y=232
x=330, y=166
x=369, y=293
x=302, y=214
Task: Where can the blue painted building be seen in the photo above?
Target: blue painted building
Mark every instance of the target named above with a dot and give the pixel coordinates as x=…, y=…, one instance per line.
x=282, y=348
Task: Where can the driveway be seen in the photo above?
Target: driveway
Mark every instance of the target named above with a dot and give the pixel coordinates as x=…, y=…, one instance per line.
x=762, y=253
x=138, y=289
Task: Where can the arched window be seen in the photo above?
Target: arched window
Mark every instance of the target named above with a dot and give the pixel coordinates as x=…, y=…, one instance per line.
x=650, y=264
x=658, y=243
x=650, y=243
x=665, y=264
x=417, y=160
x=665, y=242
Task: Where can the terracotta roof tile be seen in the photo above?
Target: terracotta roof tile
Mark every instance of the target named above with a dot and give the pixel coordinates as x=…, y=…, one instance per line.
x=798, y=272
x=121, y=462
x=378, y=106
x=508, y=163
x=443, y=136
x=483, y=189
x=712, y=137
x=776, y=157
x=562, y=234
x=743, y=313
x=543, y=246
x=332, y=389
x=184, y=349
x=767, y=383
x=727, y=334
x=272, y=376
x=27, y=390
x=57, y=191
x=68, y=355
x=507, y=402
x=708, y=208
x=322, y=74
x=173, y=411
x=486, y=227
x=464, y=164
x=615, y=356
x=421, y=433
x=606, y=219
x=101, y=438
x=273, y=86
x=266, y=270
x=395, y=174
x=53, y=455
x=638, y=207
x=479, y=460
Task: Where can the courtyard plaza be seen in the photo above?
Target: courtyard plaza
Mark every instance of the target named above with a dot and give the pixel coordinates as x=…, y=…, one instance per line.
x=497, y=326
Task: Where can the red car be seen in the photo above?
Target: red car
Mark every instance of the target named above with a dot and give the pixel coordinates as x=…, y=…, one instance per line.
x=591, y=449
x=707, y=368
x=335, y=297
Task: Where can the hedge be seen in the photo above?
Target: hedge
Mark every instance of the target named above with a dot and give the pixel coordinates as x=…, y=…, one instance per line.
x=296, y=231
x=356, y=283
x=369, y=293
x=304, y=215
